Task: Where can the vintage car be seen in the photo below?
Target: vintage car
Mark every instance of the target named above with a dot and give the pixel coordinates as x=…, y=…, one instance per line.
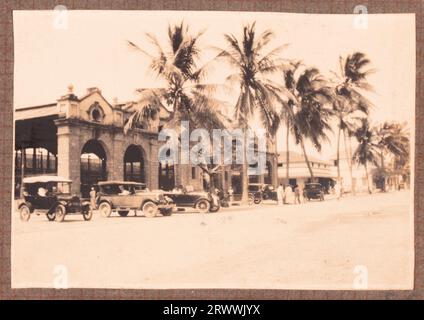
x=123, y=196
x=201, y=201
x=261, y=192
x=50, y=195
x=313, y=191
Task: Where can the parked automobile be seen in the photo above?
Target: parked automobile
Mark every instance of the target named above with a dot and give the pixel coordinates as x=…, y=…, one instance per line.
x=202, y=201
x=313, y=191
x=261, y=192
x=123, y=196
x=50, y=195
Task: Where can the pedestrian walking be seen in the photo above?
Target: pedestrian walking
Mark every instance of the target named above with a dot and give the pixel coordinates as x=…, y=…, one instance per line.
x=280, y=194
x=288, y=194
x=231, y=194
x=296, y=194
x=338, y=190
x=93, y=198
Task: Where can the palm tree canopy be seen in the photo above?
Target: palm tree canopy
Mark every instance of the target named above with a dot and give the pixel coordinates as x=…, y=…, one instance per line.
x=253, y=67
x=367, y=149
x=305, y=103
x=184, y=94
x=393, y=138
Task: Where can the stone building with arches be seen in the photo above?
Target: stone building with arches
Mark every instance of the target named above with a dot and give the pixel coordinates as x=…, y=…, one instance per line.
x=83, y=139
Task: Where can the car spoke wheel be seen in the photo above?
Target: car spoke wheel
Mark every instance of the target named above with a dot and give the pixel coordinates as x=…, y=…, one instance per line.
x=87, y=214
x=123, y=213
x=105, y=209
x=203, y=206
x=51, y=216
x=60, y=213
x=150, y=209
x=250, y=200
x=24, y=213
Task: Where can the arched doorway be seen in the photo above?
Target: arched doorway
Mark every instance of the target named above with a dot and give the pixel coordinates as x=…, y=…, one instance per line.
x=166, y=170
x=134, y=164
x=166, y=175
x=93, y=166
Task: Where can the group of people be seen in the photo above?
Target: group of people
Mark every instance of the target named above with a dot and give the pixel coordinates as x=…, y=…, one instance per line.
x=287, y=195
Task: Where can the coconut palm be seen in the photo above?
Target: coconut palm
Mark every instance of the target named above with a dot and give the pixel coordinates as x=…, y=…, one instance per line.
x=257, y=92
x=349, y=103
x=367, y=150
x=287, y=110
x=305, y=108
x=392, y=138
x=184, y=95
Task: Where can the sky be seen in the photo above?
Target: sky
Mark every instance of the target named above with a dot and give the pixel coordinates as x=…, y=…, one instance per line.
x=89, y=49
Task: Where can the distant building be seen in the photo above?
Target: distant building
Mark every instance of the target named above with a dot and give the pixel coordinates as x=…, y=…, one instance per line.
x=299, y=173
x=358, y=183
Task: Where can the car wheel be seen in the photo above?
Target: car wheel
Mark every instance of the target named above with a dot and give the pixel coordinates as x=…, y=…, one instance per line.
x=150, y=209
x=257, y=201
x=203, y=206
x=123, y=213
x=87, y=214
x=51, y=215
x=251, y=200
x=105, y=209
x=60, y=213
x=24, y=212
x=166, y=212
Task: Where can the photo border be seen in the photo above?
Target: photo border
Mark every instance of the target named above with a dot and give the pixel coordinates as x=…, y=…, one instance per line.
x=290, y=6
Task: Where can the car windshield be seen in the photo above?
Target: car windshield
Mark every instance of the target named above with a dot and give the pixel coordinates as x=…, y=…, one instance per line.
x=120, y=189
x=254, y=188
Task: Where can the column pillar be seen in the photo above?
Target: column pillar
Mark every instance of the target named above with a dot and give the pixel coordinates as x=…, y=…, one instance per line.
x=69, y=154
x=115, y=157
x=152, y=165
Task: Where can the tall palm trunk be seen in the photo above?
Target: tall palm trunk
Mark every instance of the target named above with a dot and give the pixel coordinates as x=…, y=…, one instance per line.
x=368, y=178
x=383, y=170
x=245, y=174
x=302, y=144
x=287, y=151
x=349, y=162
x=338, y=155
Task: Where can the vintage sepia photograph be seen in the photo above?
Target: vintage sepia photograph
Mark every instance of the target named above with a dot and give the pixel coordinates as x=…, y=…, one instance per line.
x=212, y=150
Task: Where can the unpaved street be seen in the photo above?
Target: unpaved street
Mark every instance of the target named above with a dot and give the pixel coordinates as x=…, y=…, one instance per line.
x=316, y=245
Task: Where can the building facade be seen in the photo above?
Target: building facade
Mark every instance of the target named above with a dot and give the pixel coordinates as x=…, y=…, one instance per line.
x=299, y=172
x=83, y=139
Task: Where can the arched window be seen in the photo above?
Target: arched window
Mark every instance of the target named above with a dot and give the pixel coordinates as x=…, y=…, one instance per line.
x=93, y=166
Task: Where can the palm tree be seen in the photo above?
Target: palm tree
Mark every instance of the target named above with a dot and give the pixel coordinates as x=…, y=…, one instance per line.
x=367, y=149
x=392, y=138
x=305, y=108
x=287, y=111
x=184, y=94
x=349, y=103
x=257, y=92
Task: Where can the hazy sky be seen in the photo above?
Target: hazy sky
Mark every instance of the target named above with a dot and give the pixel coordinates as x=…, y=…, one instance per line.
x=92, y=52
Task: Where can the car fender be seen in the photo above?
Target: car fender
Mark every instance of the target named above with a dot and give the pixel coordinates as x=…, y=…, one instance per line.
x=28, y=204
